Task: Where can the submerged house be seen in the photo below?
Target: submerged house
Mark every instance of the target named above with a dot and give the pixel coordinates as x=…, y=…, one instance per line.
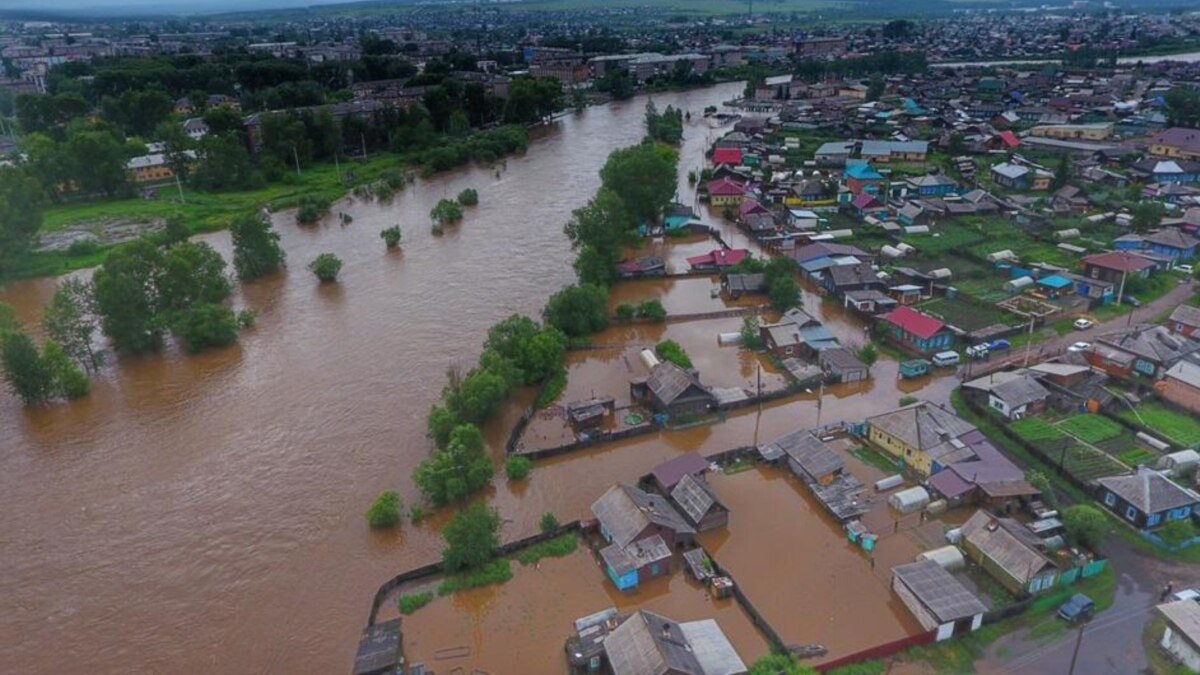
x=651, y=644
x=699, y=504
x=926, y=437
x=642, y=530
x=936, y=599
x=1009, y=552
x=673, y=391
x=1147, y=499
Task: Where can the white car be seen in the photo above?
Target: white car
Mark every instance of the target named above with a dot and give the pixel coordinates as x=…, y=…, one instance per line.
x=1187, y=594
x=1186, y=269
x=1084, y=324
x=1080, y=347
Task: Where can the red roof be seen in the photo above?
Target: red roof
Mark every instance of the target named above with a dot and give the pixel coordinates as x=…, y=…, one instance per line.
x=914, y=322
x=750, y=206
x=719, y=257
x=727, y=156
x=726, y=187
x=1010, y=139
x=1121, y=261
x=865, y=200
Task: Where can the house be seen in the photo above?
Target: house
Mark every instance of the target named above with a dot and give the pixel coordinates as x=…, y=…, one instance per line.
x=1181, y=637
x=725, y=191
x=869, y=206
x=1176, y=143
x=1180, y=385
x=861, y=178
x=842, y=366
x=936, y=599
x=932, y=185
x=642, y=529
x=869, y=301
x=786, y=338
x=987, y=478
x=1011, y=394
x=826, y=250
x=1009, y=552
x=1141, y=349
x=903, y=151
x=1146, y=499
x=738, y=285
x=195, y=128
x=379, y=650
x=1114, y=266
x=731, y=156
x=1011, y=176
x=1170, y=243
x=751, y=207
x=1170, y=171
x=809, y=191
x=699, y=504
x=841, y=279
x=668, y=474
x=808, y=457
x=834, y=152
x=673, y=391
x=1071, y=199
x=917, y=331
x=926, y=437
x=1185, y=320
x=717, y=259
x=646, y=266
x=651, y=644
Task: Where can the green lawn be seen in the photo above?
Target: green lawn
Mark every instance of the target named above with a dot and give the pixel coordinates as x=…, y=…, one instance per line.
x=1036, y=431
x=1091, y=428
x=1179, y=428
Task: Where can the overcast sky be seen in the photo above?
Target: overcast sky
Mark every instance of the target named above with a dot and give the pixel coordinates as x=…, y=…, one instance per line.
x=171, y=6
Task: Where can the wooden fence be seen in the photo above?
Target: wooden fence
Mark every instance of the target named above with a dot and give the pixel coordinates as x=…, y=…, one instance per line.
x=879, y=651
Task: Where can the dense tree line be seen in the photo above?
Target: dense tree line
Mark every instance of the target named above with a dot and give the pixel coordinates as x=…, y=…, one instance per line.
x=664, y=127
x=885, y=63
x=1183, y=107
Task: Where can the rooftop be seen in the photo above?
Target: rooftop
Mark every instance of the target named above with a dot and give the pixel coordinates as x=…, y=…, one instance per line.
x=939, y=591
x=1150, y=491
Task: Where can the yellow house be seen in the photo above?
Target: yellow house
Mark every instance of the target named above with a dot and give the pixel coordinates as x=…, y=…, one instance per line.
x=725, y=192
x=926, y=437
x=1100, y=131
x=1041, y=180
x=1176, y=143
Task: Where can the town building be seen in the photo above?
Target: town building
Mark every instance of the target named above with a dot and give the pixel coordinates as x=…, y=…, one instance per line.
x=916, y=331
x=1181, y=635
x=1147, y=499
x=1010, y=552
x=651, y=644
x=1176, y=143
x=673, y=391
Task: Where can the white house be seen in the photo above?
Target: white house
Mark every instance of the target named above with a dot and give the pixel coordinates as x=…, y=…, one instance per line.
x=1182, y=636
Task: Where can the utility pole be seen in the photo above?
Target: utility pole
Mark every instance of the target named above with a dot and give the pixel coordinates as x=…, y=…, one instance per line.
x=179, y=185
x=363, y=139
x=1029, y=342
x=296, y=156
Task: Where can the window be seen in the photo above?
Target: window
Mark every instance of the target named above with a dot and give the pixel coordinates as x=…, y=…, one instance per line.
x=1153, y=519
x=1110, y=499
x=1130, y=513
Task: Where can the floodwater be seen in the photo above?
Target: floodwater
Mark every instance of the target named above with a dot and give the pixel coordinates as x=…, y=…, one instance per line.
x=520, y=626
x=205, y=513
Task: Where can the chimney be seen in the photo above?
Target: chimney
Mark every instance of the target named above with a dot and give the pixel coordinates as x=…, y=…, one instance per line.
x=666, y=631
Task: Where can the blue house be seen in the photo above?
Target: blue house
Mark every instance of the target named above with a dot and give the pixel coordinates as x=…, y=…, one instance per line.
x=917, y=331
x=1147, y=499
x=932, y=185
x=1167, y=171
x=1170, y=243
x=1054, y=285
x=642, y=530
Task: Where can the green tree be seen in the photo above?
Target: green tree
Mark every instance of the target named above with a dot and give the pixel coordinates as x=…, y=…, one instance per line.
x=548, y=523
x=20, y=213
x=537, y=352
x=1086, y=525
x=517, y=467
x=176, y=147
x=326, y=266
x=784, y=294
x=256, y=250
x=1039, y=480
x=98, y=159
x=440, y=423
x=577, y=310
x=445, y=212
x=222, y=163
x=205, y=325
x=1146, y=216
x=457, y=471
x=385, y=510
x=66, y=379
x=670, y=350
x=468, y=197
x=24, y=369
x=643, y=177
x=478, y=395
x=69, y=320
x=868, y=354
x=750, y=333
x=652, y=310
x=472, y=537
x=1183, y=107
x=192, y=273
x=127, y=299
x=875, y=87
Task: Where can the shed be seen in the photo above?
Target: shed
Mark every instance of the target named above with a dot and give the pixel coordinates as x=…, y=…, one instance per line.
x=1018, y=284
x=1006, y=254
x=1069, y=233
x=1179, y=461
x=949, y=557
x=909, y=501
x=1182, y=634
x=893, y=481
x=699, y=504
x=668, y=474
x=936, y=598
x=651, y=643
x=809, y=457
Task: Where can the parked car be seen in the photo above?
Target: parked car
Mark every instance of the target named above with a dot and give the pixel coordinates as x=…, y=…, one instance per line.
x=1078, y=609
x=1130, y=300
x=1084, y=324
x=946, y=358
x=1187, y=594
x=977, y=351
x=1186, y=269
x=998, y=345
x=1080, y=347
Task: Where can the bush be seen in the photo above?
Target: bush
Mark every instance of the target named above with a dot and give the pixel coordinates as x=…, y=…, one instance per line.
x=558, y=547
x=82, y=247
x=385, y=510
x=669, y=350
x=908, y=400
x=750, y=333
x=1086, y=525
x=412, y=602
x=416, y=513
x=554, y=386
x=446, y=212
x=494, y=572
x=326, y=266
x=868, y=354
x=246, y=318
x=391, y=236
x=517, y=467
x=625, y=312
x=206, y=325
x=468, y=197
x=652, y=310
x=1176, y=532
x=311, y=210
x=548, y=523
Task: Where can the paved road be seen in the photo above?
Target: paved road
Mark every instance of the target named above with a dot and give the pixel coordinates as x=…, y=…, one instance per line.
x=1111, y=644
x=1145, y=314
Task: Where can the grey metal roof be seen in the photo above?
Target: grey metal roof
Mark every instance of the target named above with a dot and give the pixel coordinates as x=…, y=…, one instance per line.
x=1154, y=343
x=640, y=553
x=694, y=497
x=625, y=511
x=1150, y=491
x=1186, y=315
x=1184, y=615
x=1185, y=372
x=922, y=426
x=651, y=644
x=816, y=458
x=1020, y=391
x=668, y=382
x=840, y=359
x=943, y=595
x=1006, y=542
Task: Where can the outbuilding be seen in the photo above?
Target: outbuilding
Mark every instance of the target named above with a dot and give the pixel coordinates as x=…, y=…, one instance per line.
x=936, y=599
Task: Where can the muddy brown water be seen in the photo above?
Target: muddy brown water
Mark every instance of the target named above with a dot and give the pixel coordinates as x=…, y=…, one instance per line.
x=205, y=513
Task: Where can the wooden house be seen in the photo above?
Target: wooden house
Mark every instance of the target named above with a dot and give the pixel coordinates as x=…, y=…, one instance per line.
x=1009, y=552
x=1147, y=499
x=699, y=504
x=936, y=599
x=673, y=391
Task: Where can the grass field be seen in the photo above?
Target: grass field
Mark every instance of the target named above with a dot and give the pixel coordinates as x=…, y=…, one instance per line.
x=1079, y=460
x=1036, y=431
x=965, y=315
x=1091, y=428
x=1177, y=427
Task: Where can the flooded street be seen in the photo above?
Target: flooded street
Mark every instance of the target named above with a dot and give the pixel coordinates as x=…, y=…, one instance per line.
x=205, y=513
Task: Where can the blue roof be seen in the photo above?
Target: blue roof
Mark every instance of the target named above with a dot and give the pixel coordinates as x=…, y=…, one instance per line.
x=813, y=334
x=1054, y=281
x=817, y=264
x=862, y=172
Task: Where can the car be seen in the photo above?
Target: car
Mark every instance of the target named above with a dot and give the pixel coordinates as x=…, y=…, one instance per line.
x=1131, y=301
x=1187, y=594
x=946, y=358
x=1186, y=269
x=1084, y=324
x=977, y=351
x=1080, y=347
x=1078, y=609
x=998, y=345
